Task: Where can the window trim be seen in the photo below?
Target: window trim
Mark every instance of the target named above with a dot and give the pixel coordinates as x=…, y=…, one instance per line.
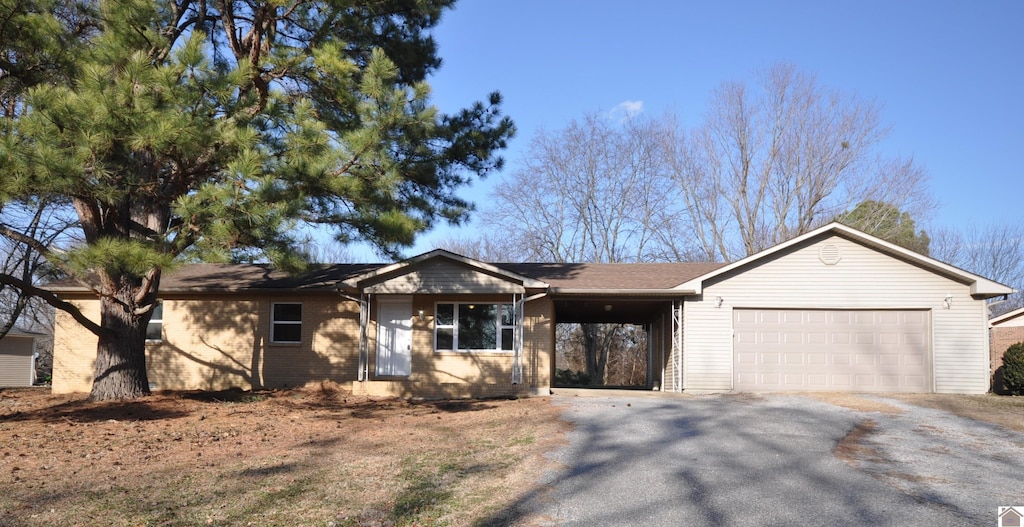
x=454, y=326
x=274, y=323
x=153, y=320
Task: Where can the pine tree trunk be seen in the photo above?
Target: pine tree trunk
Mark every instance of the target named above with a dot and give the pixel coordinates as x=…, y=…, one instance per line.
x=121, y=353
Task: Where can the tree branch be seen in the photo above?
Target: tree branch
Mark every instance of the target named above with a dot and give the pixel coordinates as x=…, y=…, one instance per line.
x=55, y=301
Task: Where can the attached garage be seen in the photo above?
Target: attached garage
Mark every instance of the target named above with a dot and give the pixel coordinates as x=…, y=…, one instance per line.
x=836, y=310
x=831, y=350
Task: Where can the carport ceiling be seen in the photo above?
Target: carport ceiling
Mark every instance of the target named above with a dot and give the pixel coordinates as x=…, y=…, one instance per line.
x=608, y=309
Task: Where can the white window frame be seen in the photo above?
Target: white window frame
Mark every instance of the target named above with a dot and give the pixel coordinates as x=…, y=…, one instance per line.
x=274, y=322
x=154, y=320
x=454, y=326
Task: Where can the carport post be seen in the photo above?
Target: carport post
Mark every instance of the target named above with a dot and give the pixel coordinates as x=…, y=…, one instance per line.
x=677, y=344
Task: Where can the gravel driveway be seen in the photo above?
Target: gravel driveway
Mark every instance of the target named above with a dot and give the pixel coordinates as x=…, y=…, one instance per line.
x=637, y=459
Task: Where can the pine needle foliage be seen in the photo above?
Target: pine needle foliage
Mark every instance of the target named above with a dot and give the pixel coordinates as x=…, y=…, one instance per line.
x=215, y=129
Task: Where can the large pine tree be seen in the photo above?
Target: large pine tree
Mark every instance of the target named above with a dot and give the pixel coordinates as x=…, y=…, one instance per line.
x=212, y=128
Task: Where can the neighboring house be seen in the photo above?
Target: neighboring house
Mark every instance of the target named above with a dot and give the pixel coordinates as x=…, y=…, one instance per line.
x=18, y=358
x=1005, y=330
x=834, y=309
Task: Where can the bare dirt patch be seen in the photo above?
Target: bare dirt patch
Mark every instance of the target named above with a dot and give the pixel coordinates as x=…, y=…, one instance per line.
x=855, y=446
x=290, y=457
x=1002, y=410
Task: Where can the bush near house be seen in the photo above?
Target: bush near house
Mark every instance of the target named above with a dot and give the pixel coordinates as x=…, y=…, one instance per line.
x=571, y=378
x=1013, y=369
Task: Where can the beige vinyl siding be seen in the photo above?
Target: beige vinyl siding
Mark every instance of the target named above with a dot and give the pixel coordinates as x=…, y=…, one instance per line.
x=444, y=277
x=669, y=368
x=862, y=279
x=16, y=360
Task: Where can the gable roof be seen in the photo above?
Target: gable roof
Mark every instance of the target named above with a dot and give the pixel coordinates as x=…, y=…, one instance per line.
x=980, y=286
x=556, y=278
x=396, y=269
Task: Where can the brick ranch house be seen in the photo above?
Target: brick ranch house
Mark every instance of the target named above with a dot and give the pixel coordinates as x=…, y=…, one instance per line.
x=832, y=310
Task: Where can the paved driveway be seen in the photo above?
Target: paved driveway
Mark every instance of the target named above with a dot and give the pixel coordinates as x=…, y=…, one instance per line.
x=742, y=460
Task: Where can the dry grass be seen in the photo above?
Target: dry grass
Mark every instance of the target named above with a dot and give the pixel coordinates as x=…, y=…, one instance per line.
x=1001, y=410
x=315, y=457
x=855, y=402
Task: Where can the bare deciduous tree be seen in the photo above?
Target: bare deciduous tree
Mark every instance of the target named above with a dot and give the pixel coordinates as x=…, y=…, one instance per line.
x=594, y=191
x=995, y=251
x=768, y=162
x=780, y=159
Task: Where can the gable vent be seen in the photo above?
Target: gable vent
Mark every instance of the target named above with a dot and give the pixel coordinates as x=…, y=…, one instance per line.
x=829, y=254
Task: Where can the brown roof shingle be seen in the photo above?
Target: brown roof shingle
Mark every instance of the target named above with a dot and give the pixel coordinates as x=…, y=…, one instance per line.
x=207, y=277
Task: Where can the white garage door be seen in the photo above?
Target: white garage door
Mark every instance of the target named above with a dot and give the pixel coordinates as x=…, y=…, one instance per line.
x=831, y=350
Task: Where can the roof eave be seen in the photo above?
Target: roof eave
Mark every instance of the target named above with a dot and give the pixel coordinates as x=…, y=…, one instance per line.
x=980, y=286
x=594, y=291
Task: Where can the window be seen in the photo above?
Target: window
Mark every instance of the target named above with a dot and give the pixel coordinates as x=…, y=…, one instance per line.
x=465, y=327
x=155, y=329
x=286, y=323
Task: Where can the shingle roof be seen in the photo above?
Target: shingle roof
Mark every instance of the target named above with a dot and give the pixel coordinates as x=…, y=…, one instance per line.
x=246, y=277
x=207, y=277
x=611, y=276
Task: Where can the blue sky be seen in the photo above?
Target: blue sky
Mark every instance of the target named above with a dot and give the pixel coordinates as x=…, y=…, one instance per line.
x=948, y=75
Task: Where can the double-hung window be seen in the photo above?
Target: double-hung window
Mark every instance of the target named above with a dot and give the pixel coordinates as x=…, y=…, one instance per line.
x=286, y=323
x=474, y=327
x=155, y=328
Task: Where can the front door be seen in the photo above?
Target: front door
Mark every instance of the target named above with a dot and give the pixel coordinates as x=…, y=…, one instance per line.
x=394, y=339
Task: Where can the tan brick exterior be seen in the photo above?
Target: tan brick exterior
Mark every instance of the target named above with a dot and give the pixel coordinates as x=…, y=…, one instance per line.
x=459, y=374
x=217, y=342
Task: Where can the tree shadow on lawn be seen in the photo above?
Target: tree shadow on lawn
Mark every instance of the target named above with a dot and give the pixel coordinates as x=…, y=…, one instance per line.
x=90, y=412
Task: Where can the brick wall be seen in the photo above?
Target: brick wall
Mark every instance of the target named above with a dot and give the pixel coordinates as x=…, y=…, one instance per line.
x=214, y=343
x=1001, y=338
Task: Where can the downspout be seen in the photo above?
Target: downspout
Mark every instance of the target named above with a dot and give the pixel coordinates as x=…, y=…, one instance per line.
x=517, y=348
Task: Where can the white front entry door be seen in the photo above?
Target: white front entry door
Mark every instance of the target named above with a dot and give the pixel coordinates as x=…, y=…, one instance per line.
x=394, y=339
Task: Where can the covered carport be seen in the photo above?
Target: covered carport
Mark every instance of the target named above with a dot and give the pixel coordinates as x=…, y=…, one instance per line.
x=644, y=294
x=658, y=312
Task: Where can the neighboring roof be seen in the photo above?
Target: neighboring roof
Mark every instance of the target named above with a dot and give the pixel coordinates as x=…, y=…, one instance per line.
x=23, y=334
x=1006, y=317
x=980, y=286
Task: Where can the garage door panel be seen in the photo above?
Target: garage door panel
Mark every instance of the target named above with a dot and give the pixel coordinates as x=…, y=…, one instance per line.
x=856, y=350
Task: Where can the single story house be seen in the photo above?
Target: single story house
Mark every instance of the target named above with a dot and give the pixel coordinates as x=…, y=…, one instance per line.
x=18, y=358
x=832, y=310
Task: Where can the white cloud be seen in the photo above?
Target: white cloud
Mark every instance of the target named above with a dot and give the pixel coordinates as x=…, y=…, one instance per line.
x=627, y=109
